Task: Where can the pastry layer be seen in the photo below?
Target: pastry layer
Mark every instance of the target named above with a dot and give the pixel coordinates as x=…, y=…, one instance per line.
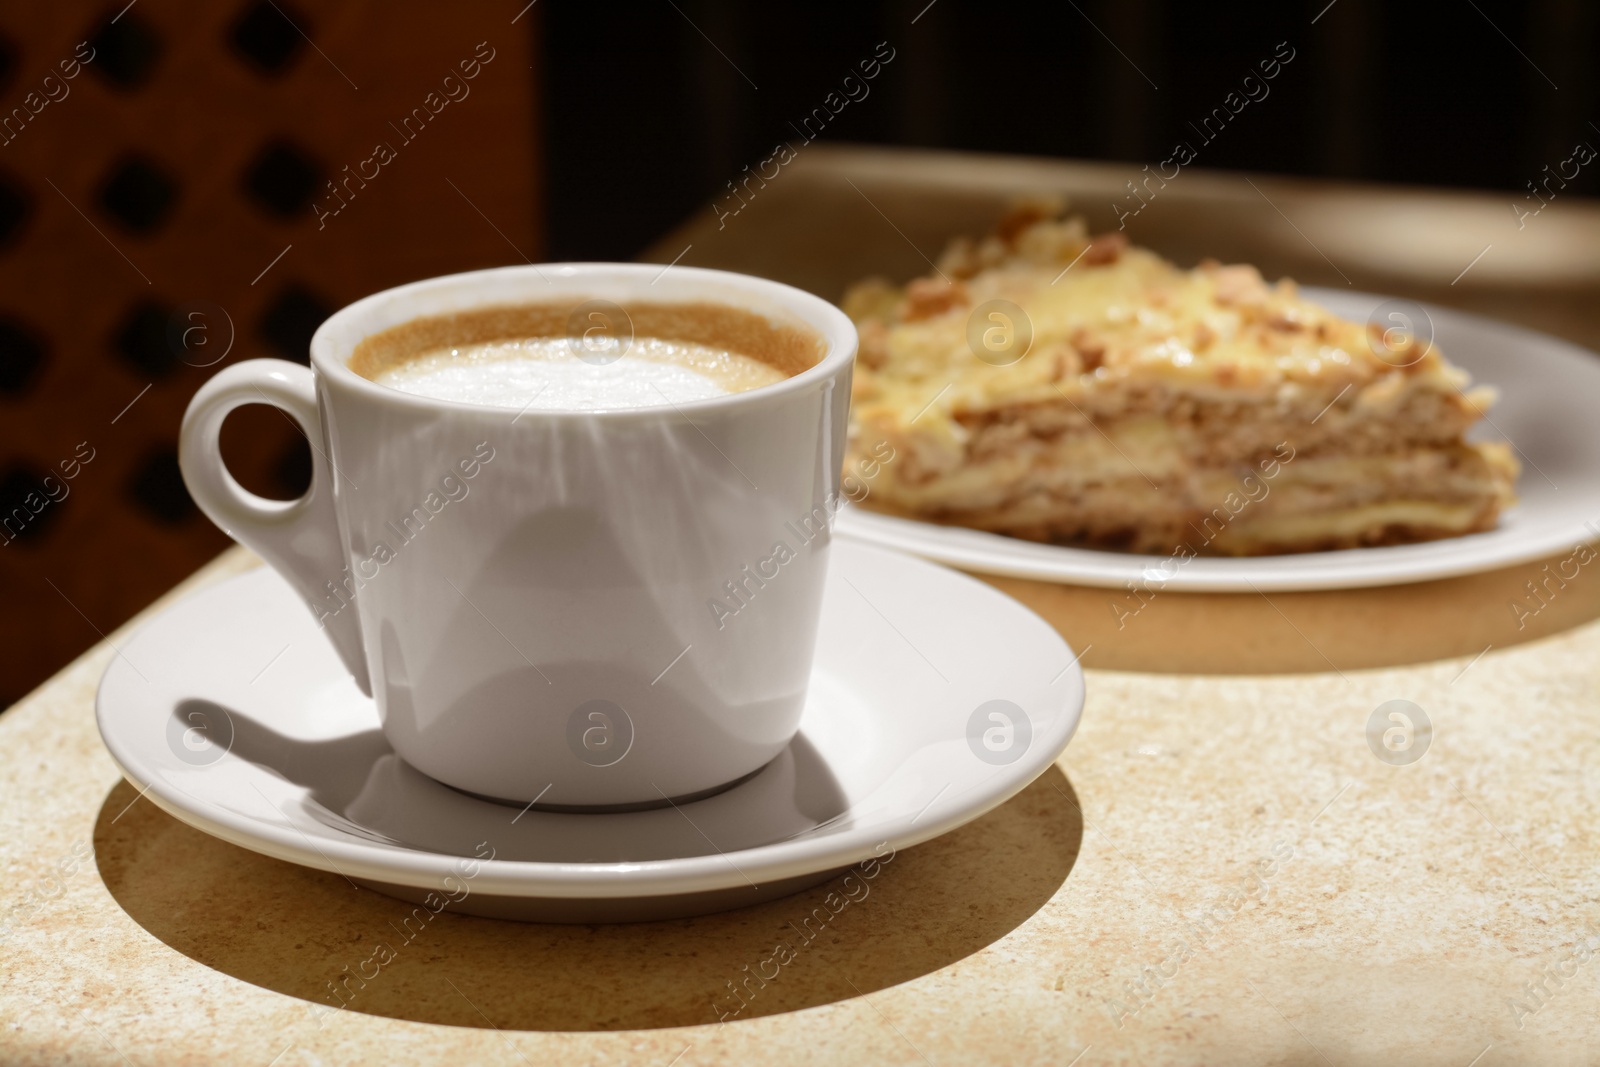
x=1134, y=397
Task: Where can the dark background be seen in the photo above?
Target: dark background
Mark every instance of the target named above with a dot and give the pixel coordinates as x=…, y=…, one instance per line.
x=195, y=144
x=647, y=122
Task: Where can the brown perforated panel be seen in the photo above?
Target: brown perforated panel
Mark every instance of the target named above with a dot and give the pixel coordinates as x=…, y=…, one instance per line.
x=178, y=180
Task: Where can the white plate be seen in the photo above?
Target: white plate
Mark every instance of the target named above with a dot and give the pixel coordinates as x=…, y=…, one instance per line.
x=1549, y=392
x=233, y=710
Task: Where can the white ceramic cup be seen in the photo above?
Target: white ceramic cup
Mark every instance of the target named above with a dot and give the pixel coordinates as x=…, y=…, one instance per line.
x=532, y=598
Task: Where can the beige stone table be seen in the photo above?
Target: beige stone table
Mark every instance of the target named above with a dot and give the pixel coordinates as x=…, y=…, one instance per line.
x=1219, y=870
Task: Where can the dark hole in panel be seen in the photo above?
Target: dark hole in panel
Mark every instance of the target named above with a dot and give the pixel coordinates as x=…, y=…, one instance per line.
x=30, y=502
x=157, y=488
x=282, y=179
x=22, y=354
x=15, y=207
x=138, y=194
x=266, y=37
x=142, y=339
x=291, y=319
x=125, y=50
x=292, y=474
x=9, y=58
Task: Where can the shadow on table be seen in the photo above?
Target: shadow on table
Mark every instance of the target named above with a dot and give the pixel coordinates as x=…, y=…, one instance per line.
x=305, y=933
x=1316, y=632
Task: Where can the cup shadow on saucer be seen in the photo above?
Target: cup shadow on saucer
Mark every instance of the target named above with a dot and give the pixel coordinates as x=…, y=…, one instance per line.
x=316, y=936
x=357, y=785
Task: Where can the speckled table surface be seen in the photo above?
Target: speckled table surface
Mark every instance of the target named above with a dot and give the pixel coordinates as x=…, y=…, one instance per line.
x=1219, y=870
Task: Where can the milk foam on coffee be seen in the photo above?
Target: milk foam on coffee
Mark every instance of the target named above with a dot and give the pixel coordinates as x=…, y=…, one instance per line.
x=554, y=374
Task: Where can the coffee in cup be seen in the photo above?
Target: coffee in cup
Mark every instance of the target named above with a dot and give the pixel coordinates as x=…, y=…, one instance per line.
x=594, y=357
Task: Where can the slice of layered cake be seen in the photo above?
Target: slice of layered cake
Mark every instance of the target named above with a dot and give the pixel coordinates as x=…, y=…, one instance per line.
x=1052, y=386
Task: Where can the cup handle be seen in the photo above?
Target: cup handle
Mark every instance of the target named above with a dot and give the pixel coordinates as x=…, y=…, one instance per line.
x=299, y=538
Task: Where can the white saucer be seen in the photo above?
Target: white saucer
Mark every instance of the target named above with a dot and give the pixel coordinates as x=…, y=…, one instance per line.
x=233, y=712
x=1548, y=392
